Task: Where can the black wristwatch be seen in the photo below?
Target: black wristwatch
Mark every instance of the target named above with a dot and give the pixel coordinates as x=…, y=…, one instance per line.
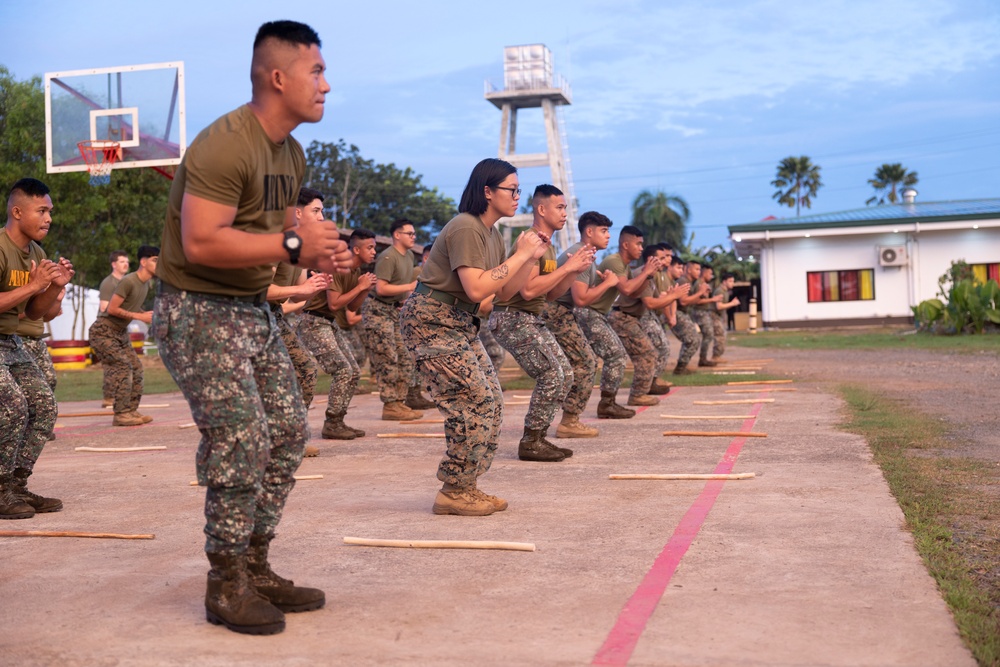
x=293, y=246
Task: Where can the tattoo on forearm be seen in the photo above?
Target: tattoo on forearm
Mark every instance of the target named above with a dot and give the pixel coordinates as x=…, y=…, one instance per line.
x=500, y=272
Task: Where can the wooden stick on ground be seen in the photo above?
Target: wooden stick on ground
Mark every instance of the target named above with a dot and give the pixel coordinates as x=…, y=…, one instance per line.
x=105, y=413
x=748, y=361
x=753, y=391
x=440, y=544
x=516, y=402
x=71, y=533
x=735, y=401
x=154, y=405
x=149, y=448
x=673, y=476
x=409, y=435
x=708, y=416
x=188, y=425
x=298, y=478
x=762, y=382
x=734, y=372
x=715, y=434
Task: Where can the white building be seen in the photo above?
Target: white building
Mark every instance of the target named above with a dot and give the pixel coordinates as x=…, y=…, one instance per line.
x=868, y=265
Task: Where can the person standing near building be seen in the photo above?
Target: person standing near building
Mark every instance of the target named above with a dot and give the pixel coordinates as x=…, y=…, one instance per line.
x=230, y=219
x=664, y=294
x=119, y=267
x=681, y=325
x=723, y=292
x=518, y=327
x=110, y=338
x=700, y=309
x=30, y=285
x=440, y=327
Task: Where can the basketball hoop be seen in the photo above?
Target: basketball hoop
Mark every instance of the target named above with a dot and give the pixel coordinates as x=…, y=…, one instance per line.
x=100, y=156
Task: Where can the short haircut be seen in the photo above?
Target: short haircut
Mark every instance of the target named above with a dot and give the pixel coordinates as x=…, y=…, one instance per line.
x=650, y=250
x=694, y=260
x=631, y=231
x=544, y=191
x=307, y=195
x=289, y=32
x=726, y=275
x=676, y=259
x=665, y=246
x=593, y=219
x=359, y=235
x=147, y=251
x=428, y=246
x=115, y=254
x=399, y=224
x=707, y=267
x=489, y=173
x=31, y=187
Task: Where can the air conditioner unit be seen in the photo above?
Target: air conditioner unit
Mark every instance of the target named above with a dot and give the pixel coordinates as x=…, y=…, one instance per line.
x=892, y=255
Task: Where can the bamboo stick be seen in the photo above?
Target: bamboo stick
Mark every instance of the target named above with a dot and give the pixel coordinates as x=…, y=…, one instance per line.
x=440, y=544
x=708, y=416
x=677, y=476
x=154, y=405
x=103, y=413
x=149, y=448
x=735, y=401
x=188, y=425
x=516, y=402
x=715, y=434
x=762, y=382
x=72, y=533
x=754, y=391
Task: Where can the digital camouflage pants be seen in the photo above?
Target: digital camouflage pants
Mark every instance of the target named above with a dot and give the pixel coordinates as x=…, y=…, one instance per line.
x=560, y=321
x=687, y=333
x=306, y=371
x=719, y=327
x=495, y=351
x=706, y=322
x=39, y=351
x=122, y=367
x=535, y=350
x=228, y=359
x=391, y=364
x=606, y=345
x=640, y=350
x=460, y=377
x=332, y=351
x=27, y=410
x=657, y=335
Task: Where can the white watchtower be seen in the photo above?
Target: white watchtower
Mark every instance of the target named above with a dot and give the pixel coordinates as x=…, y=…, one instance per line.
x=529, y=83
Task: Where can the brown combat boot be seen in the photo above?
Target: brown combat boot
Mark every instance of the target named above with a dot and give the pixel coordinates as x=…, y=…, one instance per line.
x=40, y=504
x=336, y=429
x=232, y=601
x=683, y=370
x=463, y=502
x=397, y=411
x=145, y=418
x=659, y=387
x=11, y=504
x=643, y=399
x=282, y=593
x=416, y=401
x=609, y=409
x=534, y=447
x=570, y=427
x=707, y=362
x=126, y=419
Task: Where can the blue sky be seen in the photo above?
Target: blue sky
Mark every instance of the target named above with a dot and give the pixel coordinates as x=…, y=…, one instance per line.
x=699, y=99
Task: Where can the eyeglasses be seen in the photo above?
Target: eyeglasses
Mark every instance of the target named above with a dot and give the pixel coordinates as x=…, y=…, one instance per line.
x=407, y=233
x=514, y=192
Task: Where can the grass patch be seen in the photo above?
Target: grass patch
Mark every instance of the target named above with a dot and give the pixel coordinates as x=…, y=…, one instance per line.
x=866, y=339
x=86, y=384
x=521, y=382
x=943, y=510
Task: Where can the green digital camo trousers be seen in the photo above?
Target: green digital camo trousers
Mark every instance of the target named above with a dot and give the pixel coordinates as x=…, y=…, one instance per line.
x=535, y=350
x=639, y=349
x=333, y=353
x=229, y=360
x=704, y=319
x=27, y=410
x=306, y=370
x=606, y=345
x=122, y=367
x=560, y=321
x=494, y=350
x=719, y=328
x=358, y=349
x=460, y=377
x=687, y=333
x=391, y=364
x=657, y=335
x=39, y=351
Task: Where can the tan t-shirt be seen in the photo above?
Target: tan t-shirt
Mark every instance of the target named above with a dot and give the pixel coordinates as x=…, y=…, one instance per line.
x=395, y=269
x=464, y=241
x=232, y=162
x=618, y=267
x=633, y=305
x=133, y=292
x=30, y=328
x=15, y=265
x=588, y=276
x=547, y=263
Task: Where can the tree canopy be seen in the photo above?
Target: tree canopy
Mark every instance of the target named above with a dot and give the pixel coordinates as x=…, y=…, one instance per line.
x=888, y=178
x=797, y=181
x=661, y=216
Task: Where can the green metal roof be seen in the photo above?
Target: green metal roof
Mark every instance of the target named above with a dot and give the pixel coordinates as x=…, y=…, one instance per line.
x=934, y=211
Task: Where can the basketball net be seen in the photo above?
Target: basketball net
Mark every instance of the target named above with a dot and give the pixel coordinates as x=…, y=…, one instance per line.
x=100, y=156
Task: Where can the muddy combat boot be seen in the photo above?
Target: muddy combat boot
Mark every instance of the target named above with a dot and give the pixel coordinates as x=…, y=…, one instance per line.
x=570, y=427
x=463, y=502
x=533, y=447
x=11, y=504
x=282, y=593
x=609, y=409
x=397, y=411
x=659, y=387
x=416, y=401
x=643, y=399
x=232, y=601
x=336, y=429
x=126, y=419
x=40, y=504
x=565, y=451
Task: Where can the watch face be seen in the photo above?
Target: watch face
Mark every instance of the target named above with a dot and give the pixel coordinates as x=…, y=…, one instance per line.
x=293, y=242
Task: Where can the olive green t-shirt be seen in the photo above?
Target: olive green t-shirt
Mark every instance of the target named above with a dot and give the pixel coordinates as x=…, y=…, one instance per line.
x=15, y=265
x=547, y=263
x=285, y=275
x=617, y=265
x=700, y=306
x=633, y=305
x=133, y=293
x=30, y=328
x=726, y=298
x=588, y=276
x=464, y=241
x=395, y=269
x=108, y=287
x=234, y=163
x=342, y=283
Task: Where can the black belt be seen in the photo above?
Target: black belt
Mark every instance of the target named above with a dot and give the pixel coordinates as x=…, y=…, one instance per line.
x=471, y=308
x=623, y=312
x=7, y=336
x=394, y=304
x=255, y=299
x=504, y=309
x=328, y=318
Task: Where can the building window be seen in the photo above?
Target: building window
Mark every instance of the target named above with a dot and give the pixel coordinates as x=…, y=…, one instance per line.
x=855, y=285
x=983, y=272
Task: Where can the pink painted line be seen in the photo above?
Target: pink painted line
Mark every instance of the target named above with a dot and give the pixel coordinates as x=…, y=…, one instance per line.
x=621, y=641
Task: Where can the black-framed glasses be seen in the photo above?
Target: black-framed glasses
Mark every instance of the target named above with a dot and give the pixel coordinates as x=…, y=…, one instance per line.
x=407, y=233
x=514, y=192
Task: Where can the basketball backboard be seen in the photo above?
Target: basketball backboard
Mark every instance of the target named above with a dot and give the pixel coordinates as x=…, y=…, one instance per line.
x=139, y=106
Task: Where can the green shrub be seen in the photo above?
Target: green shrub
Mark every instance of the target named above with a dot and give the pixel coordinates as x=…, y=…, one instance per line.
x=969, y=306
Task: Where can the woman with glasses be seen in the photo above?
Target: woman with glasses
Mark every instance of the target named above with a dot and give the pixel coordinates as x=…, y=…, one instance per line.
x=440, y=326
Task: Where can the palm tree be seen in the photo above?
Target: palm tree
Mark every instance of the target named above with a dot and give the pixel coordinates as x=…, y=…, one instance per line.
x=797, y=182
x=890, y=177
x=661, y=216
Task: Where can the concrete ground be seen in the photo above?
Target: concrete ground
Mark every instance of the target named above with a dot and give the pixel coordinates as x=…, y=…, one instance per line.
x=807, y=564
